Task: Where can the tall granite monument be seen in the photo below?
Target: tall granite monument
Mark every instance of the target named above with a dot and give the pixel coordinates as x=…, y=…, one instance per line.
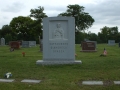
x=58, y=41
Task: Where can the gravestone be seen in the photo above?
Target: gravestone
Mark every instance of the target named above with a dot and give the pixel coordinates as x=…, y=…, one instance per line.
x=111, y=42
x=2, y=41
x=93, y=42
x=32, y=43
x=20, y=41
x=14, y=44
x=58, y=41
x=41, y=45
x=25, y=43
x=28, y=43
x=88, y=47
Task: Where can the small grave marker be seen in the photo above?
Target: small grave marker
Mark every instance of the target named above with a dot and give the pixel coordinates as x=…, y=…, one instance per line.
x=31, y=81
x=6, y=80
x=92, y=82
x=117, y=82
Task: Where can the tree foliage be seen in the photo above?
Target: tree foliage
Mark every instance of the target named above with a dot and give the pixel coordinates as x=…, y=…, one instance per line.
x=6, y=29
x=21, y=25
x=108, y=33
x=38, y=14
x=6, y=33
x=83, y=20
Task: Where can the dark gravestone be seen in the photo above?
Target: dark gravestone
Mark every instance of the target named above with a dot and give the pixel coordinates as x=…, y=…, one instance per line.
x=20, y=41
x=41, y=45
x=14, y=44
x=88, y=46
x=94, y=42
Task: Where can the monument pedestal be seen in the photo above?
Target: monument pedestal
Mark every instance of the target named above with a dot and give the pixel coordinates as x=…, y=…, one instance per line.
x=42, y=62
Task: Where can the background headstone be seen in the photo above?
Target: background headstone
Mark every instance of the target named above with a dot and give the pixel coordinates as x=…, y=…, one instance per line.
x=2, y=41
x=58, y=41
x=28, y=43
x=14, y=44
x=32, y=43
x=88, y=46
x=41, y=45
x=25, y=44
x=94, y=42
x=111, y=42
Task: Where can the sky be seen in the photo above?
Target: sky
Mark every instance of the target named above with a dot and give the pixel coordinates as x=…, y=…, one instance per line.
x=104, y=12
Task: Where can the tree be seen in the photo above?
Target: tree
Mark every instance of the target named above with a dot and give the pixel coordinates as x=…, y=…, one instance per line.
x=92, y=37
x=6, y=29
x=83, y=20
x=22, y=25
x=108, y=33
x=8, y=38
x=38, y=15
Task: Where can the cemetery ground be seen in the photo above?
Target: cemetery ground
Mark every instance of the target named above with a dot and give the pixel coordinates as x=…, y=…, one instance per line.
x=60, y=77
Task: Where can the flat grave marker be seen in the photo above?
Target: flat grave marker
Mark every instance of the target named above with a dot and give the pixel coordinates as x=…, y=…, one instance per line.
x=6, y=80
x=31, y=81
x=92, y=82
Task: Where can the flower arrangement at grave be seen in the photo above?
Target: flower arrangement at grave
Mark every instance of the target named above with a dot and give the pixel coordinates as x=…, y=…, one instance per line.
x=23, y=53
x=8, y=75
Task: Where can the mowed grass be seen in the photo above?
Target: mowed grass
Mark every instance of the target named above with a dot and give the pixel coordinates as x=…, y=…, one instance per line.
x=60, y=77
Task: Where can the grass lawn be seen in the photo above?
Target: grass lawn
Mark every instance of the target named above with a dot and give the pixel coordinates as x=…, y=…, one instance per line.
x=60, y=77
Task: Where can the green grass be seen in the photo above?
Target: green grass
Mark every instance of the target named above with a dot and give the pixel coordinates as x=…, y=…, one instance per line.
x=60, y=77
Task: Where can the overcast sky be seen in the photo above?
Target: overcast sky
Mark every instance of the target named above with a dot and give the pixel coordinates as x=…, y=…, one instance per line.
x=105, y=12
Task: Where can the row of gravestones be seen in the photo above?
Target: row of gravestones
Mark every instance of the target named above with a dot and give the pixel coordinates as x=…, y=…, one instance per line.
x=16, y=44
x=91, y=45
x=86, y=45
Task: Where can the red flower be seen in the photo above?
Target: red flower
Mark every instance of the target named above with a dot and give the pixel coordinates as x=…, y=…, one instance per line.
x=23, y=52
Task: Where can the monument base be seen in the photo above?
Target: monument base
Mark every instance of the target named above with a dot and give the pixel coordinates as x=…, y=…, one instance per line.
x=42, y=62
x=88, y=51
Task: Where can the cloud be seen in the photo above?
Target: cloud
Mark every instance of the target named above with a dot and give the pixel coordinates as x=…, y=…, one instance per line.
x=105, y=13
x=14, y=8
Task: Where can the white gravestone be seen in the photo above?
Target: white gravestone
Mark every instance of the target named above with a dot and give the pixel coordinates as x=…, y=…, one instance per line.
x=28, y=43
x=2, y=41
x=111, y=42
x=25, y=43
x=32, y=43
x=58, y=41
